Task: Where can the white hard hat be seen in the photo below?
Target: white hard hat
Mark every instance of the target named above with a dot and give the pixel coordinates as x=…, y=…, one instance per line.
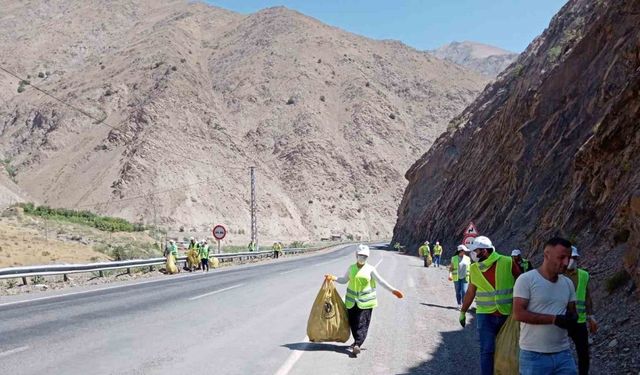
x=363, y=250
x=574, y=252
x=481, y=242
x=516, y=253
x=192, y=238
x=462, y=248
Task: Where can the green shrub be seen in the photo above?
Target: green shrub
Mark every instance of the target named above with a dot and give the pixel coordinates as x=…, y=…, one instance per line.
x=104, y=223
x=21, y=86
x=296, y=244
x=554, y=53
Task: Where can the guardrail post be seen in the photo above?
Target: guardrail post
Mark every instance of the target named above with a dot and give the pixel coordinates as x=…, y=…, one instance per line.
x=128, y=271
x=150, y=268
x=65, y=277
x=100, y=273
x=24, y=280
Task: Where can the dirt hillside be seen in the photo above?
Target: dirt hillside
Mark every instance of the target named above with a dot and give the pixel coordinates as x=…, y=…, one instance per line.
x=185, y=97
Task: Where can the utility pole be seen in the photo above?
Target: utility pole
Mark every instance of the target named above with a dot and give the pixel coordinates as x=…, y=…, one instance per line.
x=254, y=219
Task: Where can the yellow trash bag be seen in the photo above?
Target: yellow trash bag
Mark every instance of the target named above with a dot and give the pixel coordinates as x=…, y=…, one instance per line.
x=193, y=259
x=328, y=319
x=507, y=354
x=215, y=262
x=171, y=265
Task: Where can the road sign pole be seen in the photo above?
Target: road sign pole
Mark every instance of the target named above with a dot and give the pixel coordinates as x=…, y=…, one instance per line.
x=219, y=247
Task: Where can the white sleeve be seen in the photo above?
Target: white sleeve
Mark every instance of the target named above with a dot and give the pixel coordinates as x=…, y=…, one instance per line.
x=375, y=275
x=522, y=287
x=344, y=279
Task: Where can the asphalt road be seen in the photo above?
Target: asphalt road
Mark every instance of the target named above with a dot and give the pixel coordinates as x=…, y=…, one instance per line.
x=245, y=320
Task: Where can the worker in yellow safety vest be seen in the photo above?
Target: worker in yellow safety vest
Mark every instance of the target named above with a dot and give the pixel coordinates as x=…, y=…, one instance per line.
x=492, y=277
x=252, y=246
x=584, y=307
x=458, y=273
x=203, y=252
x=524, y=264
x=361, y=299
x=425, y=252
x=277, y=249
x=437, y=253
x=193, y=259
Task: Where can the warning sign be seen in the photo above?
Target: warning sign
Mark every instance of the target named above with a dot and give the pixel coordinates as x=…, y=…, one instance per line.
x=471, y=230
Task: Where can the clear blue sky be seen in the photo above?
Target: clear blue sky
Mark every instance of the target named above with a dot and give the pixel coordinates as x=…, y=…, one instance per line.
x=426, y=24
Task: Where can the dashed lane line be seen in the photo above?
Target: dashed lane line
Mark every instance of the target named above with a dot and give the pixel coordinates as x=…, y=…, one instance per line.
x=215, y=292
x=13, y=351
x=287, y=366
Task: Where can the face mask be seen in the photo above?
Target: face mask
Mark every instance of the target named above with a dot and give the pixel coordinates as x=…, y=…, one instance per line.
x=361, y=259
x=474, y=256
x=572, y=264
x=482, y=256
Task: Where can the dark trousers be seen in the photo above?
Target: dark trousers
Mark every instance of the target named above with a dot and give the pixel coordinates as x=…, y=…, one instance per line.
x=580, y=337
x=359, y=320
x=276, y=253
x=205, y=263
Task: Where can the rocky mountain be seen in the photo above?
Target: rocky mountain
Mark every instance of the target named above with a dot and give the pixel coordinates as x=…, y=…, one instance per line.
x=173, y=101
x=551, y=148
x=482, y=58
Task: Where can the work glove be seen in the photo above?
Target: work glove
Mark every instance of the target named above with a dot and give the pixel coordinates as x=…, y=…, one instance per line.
x=566, y=321
x=398, y=293
x=330, y=277
x=463, y=319
x=593, y=325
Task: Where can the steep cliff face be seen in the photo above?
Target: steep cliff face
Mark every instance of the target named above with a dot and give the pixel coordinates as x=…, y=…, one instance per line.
x=550, y=148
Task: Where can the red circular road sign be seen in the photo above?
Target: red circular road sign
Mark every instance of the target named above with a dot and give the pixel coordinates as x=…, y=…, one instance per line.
x=219, y=232
x=468, y=239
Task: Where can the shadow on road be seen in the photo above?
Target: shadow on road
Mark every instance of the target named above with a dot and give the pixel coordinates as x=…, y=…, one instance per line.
x=457, y=353
x=439, y=306
x=319, y=347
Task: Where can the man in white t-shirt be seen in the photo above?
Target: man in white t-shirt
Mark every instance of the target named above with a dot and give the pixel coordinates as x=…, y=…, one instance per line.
x=544, y=301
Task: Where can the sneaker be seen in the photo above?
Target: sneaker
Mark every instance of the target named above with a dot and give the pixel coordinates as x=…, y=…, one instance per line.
x=356, y=350
x=459, y=307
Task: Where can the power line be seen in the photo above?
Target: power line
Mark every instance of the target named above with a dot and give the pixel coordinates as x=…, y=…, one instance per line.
x=97, y=120
x=103, y=121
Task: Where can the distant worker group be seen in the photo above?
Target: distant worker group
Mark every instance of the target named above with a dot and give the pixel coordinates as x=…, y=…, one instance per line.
x=551, y=303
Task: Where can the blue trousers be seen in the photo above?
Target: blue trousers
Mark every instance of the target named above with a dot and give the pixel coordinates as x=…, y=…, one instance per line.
x=534, y=363
x=461, y=289
x=488, y=328
x=436, y=260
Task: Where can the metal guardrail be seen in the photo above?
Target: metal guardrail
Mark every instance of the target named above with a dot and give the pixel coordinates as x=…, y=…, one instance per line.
x=64, y=269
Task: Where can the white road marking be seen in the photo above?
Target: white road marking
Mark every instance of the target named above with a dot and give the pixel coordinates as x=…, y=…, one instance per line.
x=95, y=290
x=377, y=264
x=286, y=272
x=412, y=284
x=313, y=265
x=13, y=351
x=215, y=292
x=287, y=366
